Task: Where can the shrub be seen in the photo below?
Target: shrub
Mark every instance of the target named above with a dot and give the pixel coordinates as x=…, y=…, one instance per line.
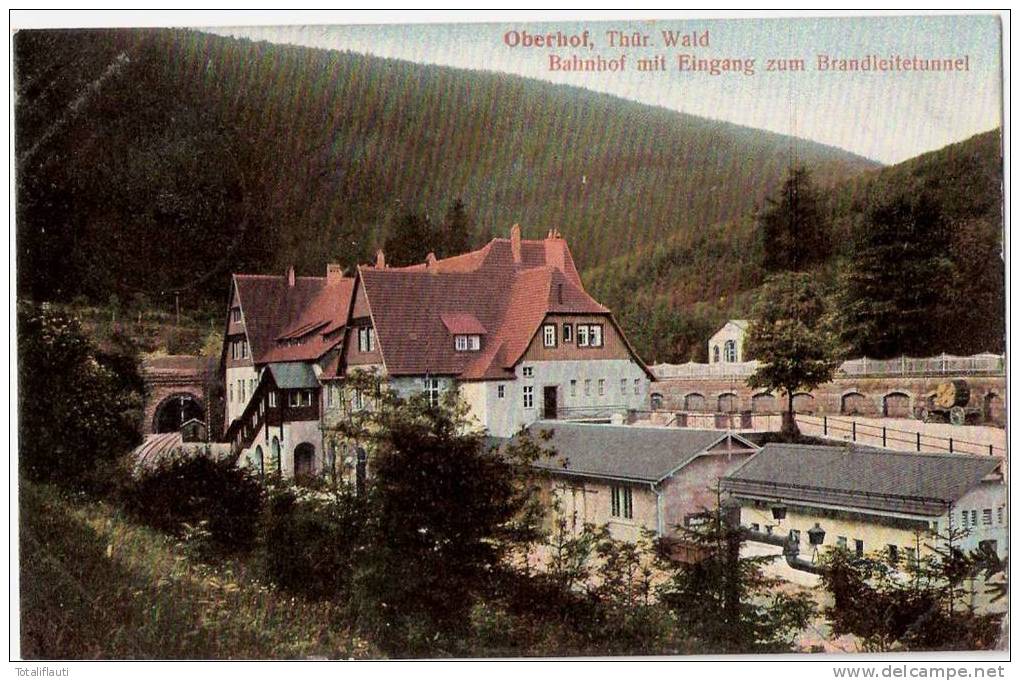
x=311, y=540
x=184, y=491
x=78, y=408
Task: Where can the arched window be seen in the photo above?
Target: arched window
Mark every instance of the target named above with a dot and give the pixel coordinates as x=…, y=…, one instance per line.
x=258, y=461
x=274, y=453
x=730, y=351
x=763, y=403
x=304, y=461
x=854, y=403
x=656, y=401
x=715, y=354
x=896, y=405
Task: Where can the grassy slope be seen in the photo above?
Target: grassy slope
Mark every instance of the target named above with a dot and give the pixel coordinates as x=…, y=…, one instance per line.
x=713, y=274
x=95, y=585
x=330, y=145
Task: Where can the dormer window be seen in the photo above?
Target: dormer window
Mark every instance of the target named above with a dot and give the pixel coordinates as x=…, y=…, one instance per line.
x=549, y=335
x=235, y=315
x=467, y=342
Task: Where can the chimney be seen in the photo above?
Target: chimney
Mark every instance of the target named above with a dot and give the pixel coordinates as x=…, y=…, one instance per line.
x=290, y=276
x=380, y=259
x=334, y=273
x=430, y=262
x=515, y=242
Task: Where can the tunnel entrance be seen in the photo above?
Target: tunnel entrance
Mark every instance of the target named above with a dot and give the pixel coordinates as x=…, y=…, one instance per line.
x=176, y=410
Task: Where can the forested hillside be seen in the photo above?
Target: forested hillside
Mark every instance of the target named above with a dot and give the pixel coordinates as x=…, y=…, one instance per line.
x=948, y=267
x=157, y=161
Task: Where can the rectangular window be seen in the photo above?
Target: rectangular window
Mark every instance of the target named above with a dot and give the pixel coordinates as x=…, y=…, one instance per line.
x=637, y=386
x=622, y=502
x=329, y=395
x=272, y=398
x=366, y=339
x=587, y=386
x=795, y=536
x=244, y=349
x=549, y=335
x=568, y=333
x=529, y=396
x=595, y=335
x=251, y=386
x=892, y=552
x=306, y=398
x=973, y=518
x=500, y=391
x=755, y=527
x=294, y=398
x=432, y=391
x=623, y=386
x=463, y=343
x=1001, y=514
x=573, y=387
x=235, y=314
x=527, y=372
x=231, y=392
x=582, y=336
x=986, y=516
x=359, y=400
x=963, y=519
x=602, y=386
x=935, y=528
x=841, y=542
x=859, y=547
x=240, y=389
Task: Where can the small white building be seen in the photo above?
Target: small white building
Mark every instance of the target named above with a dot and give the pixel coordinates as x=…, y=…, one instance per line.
x=726, y=346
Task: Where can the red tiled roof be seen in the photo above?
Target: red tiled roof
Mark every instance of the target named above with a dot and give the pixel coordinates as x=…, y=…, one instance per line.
x=416, y=309
x=462, y=323
x=303, y=315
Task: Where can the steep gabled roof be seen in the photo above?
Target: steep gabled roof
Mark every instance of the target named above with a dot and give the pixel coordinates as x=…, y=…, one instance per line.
x=634, y=453
x=292, y=323
x=865, y=478
x=414, y=309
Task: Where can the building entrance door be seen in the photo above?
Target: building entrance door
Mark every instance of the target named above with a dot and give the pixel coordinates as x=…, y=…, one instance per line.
x=549, y=406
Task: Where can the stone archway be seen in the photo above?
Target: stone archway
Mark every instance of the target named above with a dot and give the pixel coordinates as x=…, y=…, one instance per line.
x=804, y=403
x=854, y=404
x=176, y=409
x=896, y=405
x=694, y=402
x=764, y=403
x=304, y=461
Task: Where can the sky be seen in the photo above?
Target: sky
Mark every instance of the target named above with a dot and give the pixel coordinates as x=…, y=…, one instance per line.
x=888, y=116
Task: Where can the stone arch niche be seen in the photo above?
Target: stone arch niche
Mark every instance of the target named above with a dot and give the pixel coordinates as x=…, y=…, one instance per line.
x=764, y=403
x=694, y=402
x=804, y=403
x=896, y=405
x=304, y=461
x=728, y=403
x=854, y=404
x=176, y=409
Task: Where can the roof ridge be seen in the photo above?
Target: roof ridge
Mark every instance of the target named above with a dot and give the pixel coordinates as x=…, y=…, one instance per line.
x=871, y=449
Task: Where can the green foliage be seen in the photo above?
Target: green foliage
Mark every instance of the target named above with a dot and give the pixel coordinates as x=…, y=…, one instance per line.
x=792, y=229
x=697, y=278
x=78, y=409
x=907, y=606
x=94, y=585
x=183, y=491
x=440, y=510
x=725, y=601
x=457, y=231
x=311, y=540
x=410, y=239
x=178, y=166
x=790, y=336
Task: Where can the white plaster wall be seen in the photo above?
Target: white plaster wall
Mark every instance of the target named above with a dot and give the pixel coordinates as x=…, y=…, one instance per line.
x=987, y=495
x=728, y=332
x=506, y=416
x=236, y=407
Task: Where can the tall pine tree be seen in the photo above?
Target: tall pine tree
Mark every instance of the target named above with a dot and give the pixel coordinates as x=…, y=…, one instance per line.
x=793, y=228
x=409, y=240
x=458, y=231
